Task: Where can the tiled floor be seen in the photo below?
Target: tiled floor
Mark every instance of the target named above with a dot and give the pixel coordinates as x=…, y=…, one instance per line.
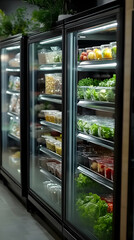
x=16, y=223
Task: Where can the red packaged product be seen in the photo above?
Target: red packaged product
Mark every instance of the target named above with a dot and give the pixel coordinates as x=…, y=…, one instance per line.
x=112, y=173
x=107, y=170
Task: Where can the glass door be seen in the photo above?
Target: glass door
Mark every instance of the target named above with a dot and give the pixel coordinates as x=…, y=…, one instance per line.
x=91, y=82
x=46, y=120
x=10, y=100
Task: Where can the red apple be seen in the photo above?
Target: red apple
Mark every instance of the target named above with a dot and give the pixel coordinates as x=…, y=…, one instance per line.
x=81, y=57
x=84, y=53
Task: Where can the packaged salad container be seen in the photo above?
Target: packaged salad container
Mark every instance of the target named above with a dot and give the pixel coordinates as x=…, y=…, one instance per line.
x=113, y=49
x=58, y=147
x=98, y=52
x=106, y=51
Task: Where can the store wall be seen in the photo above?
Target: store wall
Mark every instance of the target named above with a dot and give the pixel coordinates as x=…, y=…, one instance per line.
x=83, y=5
x=9, y=6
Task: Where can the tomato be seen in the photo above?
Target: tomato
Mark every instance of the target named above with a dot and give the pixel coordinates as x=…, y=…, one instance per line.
x=110, y=207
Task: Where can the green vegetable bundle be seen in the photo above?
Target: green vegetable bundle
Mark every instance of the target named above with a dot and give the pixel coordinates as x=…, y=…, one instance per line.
x=103, y=227
x=95, y=129
x=91, y=208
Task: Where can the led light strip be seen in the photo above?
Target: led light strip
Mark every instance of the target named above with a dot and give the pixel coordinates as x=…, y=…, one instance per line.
x=12, y=48
x=51, y=40
x=100, y=28
x=100, y=66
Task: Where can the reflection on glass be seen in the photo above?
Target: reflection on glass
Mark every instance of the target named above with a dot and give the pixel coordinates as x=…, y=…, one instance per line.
x=46, y=121
x=10, y=59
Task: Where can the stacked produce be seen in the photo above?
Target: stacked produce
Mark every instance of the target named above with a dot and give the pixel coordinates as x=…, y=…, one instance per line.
x=97, y=126
x=53, y=116
x=51, y=165
x=14, y=127
x=49, y=56
x=14, y=105
x=97, y=90
x=14, y=83
x=103, y=52
x=103, y=166
x=53, y=83
x=53, y=192
x=95, y=212
x=53, y=144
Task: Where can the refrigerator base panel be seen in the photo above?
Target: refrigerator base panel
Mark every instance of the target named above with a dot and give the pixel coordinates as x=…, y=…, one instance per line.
x=13, y=186
x=34, y=200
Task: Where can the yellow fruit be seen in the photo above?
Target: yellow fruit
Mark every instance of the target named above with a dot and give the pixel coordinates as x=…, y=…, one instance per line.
x=98, y=53
x=107, y=53
x=91, y=55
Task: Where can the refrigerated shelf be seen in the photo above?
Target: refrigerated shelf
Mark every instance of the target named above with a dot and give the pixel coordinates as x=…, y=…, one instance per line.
x=50, y=98
x=14, y=137
x=102, y=106
x=12, y=69
x=96, y=140
x=97, y=65
x=54, y=126
x=50, y=153
x=13, y=114
x=50, y=176
x=96, y=177
x=51, y=67
x=10, y=92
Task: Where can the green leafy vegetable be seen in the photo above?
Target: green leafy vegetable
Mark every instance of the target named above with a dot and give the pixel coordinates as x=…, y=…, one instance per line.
x=103, y=227
x=94, y=129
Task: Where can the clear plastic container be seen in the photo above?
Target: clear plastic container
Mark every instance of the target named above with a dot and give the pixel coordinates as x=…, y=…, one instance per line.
x=113, y=49
x=58, y=148
x=50, y=82
x=46, y=183
x=58, y=169
x=13, y=103
x=49, y=57
x=50, y=144
x=82, y=53
x=98, y=53
x=80, y=92
x=44, y=160
x=93, y=163
x=58, y=56
x=58, y=117
x=51, y=167
x=112, y=172
x=90, y=54
x=58, y=84
x=42, y=56
x=50, y=115
x=15, y=62
x=102, y=94
x=101, y=167
x=106, y=51
x=107, y=170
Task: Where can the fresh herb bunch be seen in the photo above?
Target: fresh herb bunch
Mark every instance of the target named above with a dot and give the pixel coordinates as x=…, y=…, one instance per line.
x=18, y=22
x=48, y=12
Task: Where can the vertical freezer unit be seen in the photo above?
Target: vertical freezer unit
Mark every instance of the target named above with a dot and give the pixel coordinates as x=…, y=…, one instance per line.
x=45, y=104
x=13, y=112
x=93, y=126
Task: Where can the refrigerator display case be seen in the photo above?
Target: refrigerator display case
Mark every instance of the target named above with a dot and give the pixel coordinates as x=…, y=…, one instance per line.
x=45, y=104
x=13, y=112
x=93, y=129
